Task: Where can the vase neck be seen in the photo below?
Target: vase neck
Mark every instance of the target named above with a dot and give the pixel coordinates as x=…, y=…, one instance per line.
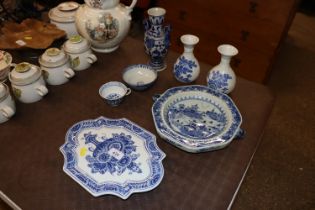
x=225, y=59
x=188, y=48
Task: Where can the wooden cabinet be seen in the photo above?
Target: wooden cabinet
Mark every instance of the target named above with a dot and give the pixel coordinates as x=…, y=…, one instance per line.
x=255, y=27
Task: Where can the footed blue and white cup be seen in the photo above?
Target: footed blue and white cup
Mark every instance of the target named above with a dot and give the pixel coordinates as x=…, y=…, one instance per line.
x=114, y=92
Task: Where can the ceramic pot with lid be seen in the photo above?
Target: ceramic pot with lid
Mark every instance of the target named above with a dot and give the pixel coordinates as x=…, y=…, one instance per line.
x=5, y=64
x=105, y=23
x=7, y=105
x=63, y=16
x=55, y=64
x=27, y=83
x=79, y=50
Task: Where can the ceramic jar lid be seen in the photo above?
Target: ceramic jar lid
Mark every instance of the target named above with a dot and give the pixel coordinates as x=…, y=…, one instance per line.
x=53, y=57
x=24, y=74
x=76, y=44
x=64, y=12
x=4, y=91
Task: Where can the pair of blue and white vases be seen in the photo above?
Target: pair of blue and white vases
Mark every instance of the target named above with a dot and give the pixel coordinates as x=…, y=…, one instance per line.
x=186, y=68
x=221, y=77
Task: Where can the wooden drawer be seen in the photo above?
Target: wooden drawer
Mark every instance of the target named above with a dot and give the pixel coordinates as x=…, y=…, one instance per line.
x=255, y=27
x=268, y=10
x=255, y=34
x=249, y=64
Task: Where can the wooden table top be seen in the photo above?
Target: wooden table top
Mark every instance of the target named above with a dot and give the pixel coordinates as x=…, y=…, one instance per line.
x=31, y=164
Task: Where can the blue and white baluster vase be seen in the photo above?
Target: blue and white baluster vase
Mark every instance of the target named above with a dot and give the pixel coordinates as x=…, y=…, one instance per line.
x=156, y=38
x=186, y=68
x=222, y=77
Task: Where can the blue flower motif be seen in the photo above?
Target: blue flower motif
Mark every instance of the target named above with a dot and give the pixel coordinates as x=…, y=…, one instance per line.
x=183, y=69
x=113, y=155
x=218, y=81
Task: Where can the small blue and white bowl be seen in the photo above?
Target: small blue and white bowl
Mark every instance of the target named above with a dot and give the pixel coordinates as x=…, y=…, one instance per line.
x=114, y=92
x=139, y=76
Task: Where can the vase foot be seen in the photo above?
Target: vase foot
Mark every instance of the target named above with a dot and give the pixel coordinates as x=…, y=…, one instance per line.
x=160, y=67
x=105, y=50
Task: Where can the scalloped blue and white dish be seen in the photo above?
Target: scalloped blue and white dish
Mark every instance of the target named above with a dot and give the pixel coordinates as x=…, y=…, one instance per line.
x=112, y=156
x=196, y=118
x=139, y=76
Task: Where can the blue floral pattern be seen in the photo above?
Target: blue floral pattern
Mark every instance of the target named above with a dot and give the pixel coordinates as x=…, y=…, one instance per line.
x=218, y=81
x=113, y=155
x=107, y=162
x=183, y=69
x=113, y=96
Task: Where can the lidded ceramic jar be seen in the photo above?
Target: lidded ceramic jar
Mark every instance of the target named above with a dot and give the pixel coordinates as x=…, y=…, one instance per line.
x=79, y=50
x=27, y=82
x=7, y=105
x=63, y=16
x=55, y=64
x=5, y=64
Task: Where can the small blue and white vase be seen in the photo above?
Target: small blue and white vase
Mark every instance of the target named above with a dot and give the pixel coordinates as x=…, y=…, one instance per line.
x=222, y=77
x=186, y=68
x=156, y=38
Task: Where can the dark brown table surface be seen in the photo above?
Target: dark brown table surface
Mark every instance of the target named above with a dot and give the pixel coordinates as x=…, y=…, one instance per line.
x=31, y=164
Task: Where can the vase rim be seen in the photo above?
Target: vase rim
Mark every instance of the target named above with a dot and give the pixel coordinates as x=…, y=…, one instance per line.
x=228, y=50
x=156, y=11
x=189, y=39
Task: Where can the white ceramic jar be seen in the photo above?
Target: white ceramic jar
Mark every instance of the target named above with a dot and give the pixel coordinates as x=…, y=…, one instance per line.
x=5, y=64
x=55, y=64
x=63, y=16
x=27, y=83
x=79, y=50
x=7, y=105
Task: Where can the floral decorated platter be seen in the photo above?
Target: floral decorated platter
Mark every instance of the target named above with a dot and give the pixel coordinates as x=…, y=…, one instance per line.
x=112, y=156
x=196, y=118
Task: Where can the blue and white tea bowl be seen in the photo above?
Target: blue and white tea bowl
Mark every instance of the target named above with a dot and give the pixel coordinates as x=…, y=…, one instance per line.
x=139, y=76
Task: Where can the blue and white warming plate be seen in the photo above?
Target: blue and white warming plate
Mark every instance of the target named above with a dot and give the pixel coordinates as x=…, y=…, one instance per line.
x=196, y=118
x=112, y=156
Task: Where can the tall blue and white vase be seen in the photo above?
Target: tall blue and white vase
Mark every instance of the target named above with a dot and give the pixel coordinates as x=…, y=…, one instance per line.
x=222, y=77
x=186, y=68
x=156, y=38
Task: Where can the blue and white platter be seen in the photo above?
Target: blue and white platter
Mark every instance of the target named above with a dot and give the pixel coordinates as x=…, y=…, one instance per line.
x=112, y=156
x=196, y=118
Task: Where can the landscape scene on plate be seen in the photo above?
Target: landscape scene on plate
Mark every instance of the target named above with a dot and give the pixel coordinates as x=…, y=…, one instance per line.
x=193, y=122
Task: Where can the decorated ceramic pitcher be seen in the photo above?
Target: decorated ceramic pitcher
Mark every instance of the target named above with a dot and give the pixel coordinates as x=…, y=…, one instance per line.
x=156, y=38
x=104, y=23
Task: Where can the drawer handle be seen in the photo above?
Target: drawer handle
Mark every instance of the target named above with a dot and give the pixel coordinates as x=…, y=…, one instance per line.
x=253, y=6
x=244, y=35
x=182, y=15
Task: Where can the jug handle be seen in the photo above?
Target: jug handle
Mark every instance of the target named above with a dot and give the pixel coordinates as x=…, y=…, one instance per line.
x=132, y=5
